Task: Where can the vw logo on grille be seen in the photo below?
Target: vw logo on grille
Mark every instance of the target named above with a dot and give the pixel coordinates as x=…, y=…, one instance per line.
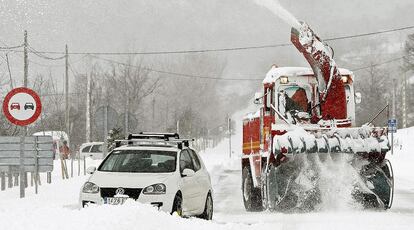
x=120, y=191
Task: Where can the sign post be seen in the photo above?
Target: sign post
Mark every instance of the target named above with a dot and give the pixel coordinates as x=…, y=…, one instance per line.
x=392, y=127
x=105, y=119
x=22, y=106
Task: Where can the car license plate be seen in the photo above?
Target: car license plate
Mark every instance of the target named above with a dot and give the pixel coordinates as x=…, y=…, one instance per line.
x=115, y=200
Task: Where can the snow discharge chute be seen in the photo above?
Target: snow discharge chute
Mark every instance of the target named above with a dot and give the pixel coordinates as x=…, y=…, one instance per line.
x=301, y=149
x=320, y=57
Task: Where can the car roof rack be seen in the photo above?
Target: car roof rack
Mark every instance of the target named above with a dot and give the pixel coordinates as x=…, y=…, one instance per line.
x=153, y=135
x=155, y=139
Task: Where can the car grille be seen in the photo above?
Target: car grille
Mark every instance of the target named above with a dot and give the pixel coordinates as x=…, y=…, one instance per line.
x=131, y=192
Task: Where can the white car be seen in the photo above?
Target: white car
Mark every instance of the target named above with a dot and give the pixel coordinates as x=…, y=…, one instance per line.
x=167, y=175
x=91, y=149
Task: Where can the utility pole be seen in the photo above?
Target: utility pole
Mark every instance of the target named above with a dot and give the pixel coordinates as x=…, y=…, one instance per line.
x=229, y=130
x=126, y=114
x=26, y=64
x=166, y=116
x=88, y=109
x=23, y=176
x=153, y=114
x=393, y=114
x=178, y=127
x=404, y=101
x=67, y=91
x=105, y=147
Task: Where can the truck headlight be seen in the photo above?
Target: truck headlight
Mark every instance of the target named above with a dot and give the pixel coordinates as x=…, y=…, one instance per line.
x=344, y=79
x=90, y=187
x=284, y=80
x=155, y=189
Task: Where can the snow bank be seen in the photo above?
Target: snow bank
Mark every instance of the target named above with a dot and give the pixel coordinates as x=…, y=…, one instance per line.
x=131, y=215
x=403, y=159
x=56, y=205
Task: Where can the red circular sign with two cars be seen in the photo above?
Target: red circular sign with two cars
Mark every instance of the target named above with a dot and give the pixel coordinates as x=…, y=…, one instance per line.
x=22, y=106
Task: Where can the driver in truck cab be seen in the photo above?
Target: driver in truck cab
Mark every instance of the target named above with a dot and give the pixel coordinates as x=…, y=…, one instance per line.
x=298, y=101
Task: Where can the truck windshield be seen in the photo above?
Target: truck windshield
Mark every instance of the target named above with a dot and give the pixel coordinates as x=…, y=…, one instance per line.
x=295, y=98
x=140, y=161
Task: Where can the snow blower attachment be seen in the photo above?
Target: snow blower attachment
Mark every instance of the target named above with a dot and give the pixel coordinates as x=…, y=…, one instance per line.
x=302, y=145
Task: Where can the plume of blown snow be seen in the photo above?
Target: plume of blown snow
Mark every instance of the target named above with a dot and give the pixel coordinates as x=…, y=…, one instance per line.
x=336, y=184
x=276, y=8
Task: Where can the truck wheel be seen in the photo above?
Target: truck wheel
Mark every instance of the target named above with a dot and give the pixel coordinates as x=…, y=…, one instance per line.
x=383, y=182
x=252, y=197
x=272, y=188
x=279, y=190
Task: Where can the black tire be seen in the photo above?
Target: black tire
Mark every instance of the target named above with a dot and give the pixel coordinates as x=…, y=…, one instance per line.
x=208, y=208
x=272, y=191
x=177, y=205
x=383, y=182
x=252, y=197
x=382, y=179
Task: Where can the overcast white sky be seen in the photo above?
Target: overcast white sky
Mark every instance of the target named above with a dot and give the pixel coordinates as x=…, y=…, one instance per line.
x=132, y=25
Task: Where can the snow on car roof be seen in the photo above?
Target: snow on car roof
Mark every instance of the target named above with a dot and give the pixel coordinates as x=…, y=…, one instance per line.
x=56, y=135
x=92, y=143
x=275, y=72
x=411, y=80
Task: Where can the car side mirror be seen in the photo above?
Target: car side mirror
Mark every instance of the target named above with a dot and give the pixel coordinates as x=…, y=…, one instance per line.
x=91, y=169
x=188, y=172
x=258, y=98
x=358, y=98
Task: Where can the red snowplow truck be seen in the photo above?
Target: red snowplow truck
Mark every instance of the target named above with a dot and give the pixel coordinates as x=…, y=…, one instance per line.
x=306, y=119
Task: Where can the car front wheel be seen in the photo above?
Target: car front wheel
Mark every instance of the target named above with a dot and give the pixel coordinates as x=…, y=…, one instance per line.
x=208, y=208
x=177, y=205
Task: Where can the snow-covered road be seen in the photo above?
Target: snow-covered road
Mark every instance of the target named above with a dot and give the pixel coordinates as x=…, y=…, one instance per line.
x=55, y=207
x=229, y=209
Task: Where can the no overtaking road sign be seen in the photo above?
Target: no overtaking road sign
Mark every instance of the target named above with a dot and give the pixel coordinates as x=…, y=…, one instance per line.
x=22, y=106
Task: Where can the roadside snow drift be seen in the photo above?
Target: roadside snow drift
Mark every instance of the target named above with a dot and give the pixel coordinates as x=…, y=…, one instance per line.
x=56, y=205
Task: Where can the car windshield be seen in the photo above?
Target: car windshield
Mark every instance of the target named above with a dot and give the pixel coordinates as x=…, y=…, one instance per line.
x=140, y=161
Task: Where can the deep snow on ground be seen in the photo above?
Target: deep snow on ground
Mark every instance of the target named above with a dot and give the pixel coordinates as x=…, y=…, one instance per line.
x=56, y=205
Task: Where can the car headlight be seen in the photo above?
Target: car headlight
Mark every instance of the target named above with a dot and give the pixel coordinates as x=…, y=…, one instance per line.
x=155, y=189
x=90, y=187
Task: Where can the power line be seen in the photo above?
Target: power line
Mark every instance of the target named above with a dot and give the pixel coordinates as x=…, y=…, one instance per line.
x=41, y=54
x=178, y=74
x=220, y=49
x=378, y=64
x=46, y=65
x=58, y=94
x=8, y=68
x=370, y=33
x=56, y=65
x=10, y=47
x=171, y=52
x=230, y=79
